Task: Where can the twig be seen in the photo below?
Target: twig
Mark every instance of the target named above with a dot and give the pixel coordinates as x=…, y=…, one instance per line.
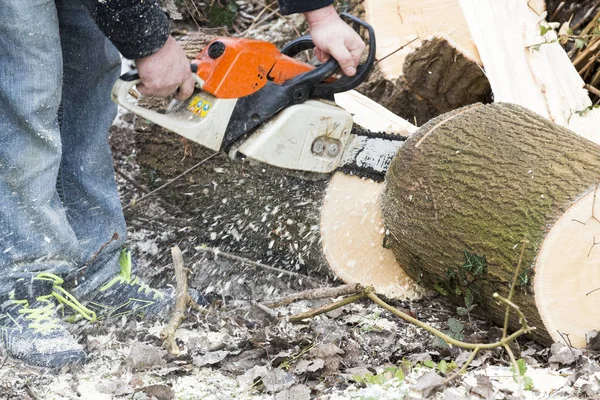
x=590, y=87
x=512, y=287
x=243, y=260
x=31, y=392
x=328, y=307
x=450, y=340
x=131, y=181
x=395, y=51
x=80, y=271
x=515, y=366
x=267, y=7
x=318, y=293
x=464, y=367
x=152, y=193
x=182, y=298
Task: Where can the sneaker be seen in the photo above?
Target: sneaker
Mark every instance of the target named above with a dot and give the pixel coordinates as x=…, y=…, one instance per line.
x=127, y=294
x=30, y=329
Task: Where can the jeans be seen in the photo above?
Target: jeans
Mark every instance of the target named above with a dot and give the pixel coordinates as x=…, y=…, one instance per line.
x=59, y=204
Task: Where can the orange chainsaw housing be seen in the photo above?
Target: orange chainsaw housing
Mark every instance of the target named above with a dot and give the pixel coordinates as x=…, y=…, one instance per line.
x=244, y=67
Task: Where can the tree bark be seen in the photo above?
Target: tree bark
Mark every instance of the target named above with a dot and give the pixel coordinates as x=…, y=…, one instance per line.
x=470, y=186
x=438, y=67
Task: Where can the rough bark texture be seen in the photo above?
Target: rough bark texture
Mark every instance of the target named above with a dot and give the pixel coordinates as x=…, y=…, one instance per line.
x=436, y=79
x=476, y=182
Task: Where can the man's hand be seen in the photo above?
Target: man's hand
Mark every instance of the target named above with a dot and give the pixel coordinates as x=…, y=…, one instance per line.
x=334, y=37
x=166, y=72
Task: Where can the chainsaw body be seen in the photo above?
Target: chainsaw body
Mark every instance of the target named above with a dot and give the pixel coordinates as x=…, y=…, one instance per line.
x=254, y=99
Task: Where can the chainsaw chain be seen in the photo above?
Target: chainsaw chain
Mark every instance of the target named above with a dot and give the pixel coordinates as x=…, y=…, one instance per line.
x=369, y=173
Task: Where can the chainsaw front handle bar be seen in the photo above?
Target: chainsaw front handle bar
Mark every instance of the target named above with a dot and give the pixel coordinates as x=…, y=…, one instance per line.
x=315, y=78
x=127, y=81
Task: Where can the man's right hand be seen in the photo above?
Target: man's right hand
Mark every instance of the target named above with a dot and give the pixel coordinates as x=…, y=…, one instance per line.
x=166, y=72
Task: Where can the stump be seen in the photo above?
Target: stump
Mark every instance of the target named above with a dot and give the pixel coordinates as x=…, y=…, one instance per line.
x=437, y=72
x=471, y=185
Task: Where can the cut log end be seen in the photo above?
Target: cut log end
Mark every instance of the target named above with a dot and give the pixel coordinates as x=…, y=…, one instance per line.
x=567, y=273
x=352, y=236
x=468, y=187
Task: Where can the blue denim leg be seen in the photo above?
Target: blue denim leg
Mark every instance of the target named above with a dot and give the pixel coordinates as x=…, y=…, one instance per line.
x=34, y=232
x=86, y=180
x=43, y=228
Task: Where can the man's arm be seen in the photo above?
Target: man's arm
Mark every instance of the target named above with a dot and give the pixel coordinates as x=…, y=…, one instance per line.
x=140, y=30
x=331, y=35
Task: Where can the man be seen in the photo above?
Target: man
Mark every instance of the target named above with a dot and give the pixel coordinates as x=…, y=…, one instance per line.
x=61, y=222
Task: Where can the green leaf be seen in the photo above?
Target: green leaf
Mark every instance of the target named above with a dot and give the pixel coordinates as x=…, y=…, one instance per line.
x=429, y=364
x=451, y=273
x=475, y=264
x=544, y=29
x=455, y=326
x=462, y=311
x=580, y=43
x=399, y=374
x=439, y=287
x=469, y=298
x=442, y=365
x=523, y=279
x=527, y=383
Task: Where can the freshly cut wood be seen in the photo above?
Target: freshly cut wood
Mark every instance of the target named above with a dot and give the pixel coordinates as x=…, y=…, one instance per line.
x=437, y=72
x=527, y=68
x=397, y=22
x=352, y=232
x=465, y=191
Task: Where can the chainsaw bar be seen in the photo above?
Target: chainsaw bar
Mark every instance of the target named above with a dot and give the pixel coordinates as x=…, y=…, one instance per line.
x=369, y=154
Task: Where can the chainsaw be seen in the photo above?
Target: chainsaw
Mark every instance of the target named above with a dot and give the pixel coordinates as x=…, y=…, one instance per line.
x=261, y=102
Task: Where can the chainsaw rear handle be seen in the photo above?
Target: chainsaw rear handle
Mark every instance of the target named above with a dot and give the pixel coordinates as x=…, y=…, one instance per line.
x=127, y=81
x=315, y=78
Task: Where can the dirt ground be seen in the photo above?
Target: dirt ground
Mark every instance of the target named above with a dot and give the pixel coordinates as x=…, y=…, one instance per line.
x=236, y=348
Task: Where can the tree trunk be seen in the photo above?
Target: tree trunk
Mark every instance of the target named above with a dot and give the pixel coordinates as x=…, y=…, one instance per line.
x=437, y=72
x=471, y=185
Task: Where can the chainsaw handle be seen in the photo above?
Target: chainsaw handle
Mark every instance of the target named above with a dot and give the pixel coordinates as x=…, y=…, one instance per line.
x=127, y=81
x=328, y=89
x=314, y=79
x=296, y=46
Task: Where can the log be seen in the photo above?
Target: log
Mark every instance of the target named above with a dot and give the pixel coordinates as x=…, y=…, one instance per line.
x=437, y=72
x=527, y=68
x=469, y=186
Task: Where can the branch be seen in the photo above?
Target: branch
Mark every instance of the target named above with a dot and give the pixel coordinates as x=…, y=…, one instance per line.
x=181, y=302
x=318, y=293
x=328, y=307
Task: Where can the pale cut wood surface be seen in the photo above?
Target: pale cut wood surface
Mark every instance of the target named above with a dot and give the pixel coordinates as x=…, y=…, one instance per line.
x=352, y=230
x=566, y=273
x=544, y=80
x=397, y=22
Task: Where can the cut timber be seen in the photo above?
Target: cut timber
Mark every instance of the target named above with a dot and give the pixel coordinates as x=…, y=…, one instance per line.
x=397, y=22
x=528, y=69
x=352, y=232
x=436, y=73
x=478, y=181
x=352, y=235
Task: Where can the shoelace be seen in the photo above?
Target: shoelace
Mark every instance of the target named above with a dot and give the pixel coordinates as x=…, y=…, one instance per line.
x=64, y=297
x=125, y=278
x=42, y=318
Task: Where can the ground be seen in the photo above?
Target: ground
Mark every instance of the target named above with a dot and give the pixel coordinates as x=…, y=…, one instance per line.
x=236, y=348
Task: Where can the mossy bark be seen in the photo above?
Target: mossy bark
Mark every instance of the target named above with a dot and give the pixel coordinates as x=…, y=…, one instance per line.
x=475, y=183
